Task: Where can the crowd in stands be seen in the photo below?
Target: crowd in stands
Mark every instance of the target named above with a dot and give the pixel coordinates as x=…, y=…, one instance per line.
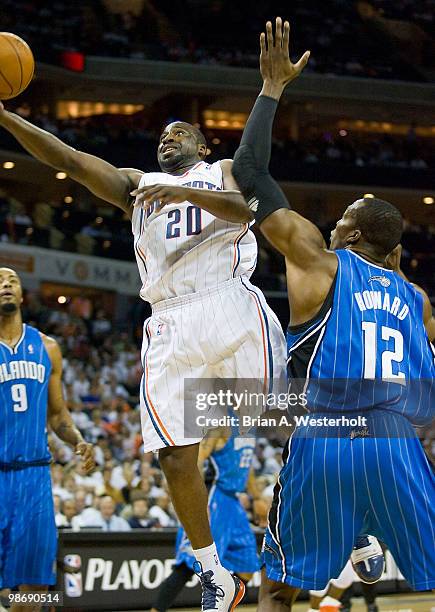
x=102, y=374
x=107, y=233
x=130, y=141
x=346, y=37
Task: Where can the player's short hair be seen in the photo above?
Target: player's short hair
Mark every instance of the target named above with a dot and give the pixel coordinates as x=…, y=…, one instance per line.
x=380, y=223
x=199, y=136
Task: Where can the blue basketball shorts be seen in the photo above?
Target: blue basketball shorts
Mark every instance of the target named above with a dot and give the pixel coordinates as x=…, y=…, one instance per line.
x=330, y=489
x=28, y=535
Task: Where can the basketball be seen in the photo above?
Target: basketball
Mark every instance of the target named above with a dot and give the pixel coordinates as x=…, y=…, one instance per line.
x=16, y=65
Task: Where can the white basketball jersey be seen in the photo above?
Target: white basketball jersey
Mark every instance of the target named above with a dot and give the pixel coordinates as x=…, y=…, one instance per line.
x=184, y=249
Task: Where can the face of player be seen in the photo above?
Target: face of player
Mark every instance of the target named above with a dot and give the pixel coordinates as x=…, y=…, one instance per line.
x=178, y=148
x=346, y=232
x=11, y=293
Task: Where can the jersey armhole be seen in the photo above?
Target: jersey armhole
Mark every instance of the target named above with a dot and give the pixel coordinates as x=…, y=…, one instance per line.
x=327, y=304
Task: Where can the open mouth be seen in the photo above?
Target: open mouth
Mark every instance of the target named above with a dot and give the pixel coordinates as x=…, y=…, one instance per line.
x=169, y=149
x=6, y=294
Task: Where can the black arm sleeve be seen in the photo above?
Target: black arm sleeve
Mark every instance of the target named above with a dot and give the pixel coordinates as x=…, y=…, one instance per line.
x=251, y=162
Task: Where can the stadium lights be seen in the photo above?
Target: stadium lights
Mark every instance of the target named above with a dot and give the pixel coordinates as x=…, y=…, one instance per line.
x=61, y=299
x=369, y=195
x=61, y=175
x=428, y=200
x=8, y=165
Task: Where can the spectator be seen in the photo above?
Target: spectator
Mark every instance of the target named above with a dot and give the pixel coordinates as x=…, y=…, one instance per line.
x=162, y=511
x=109, y=521
x=69, y=511
x=140, y=518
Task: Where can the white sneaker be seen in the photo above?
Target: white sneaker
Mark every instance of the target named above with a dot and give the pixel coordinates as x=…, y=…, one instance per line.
x=368, y=559
x=221, y=593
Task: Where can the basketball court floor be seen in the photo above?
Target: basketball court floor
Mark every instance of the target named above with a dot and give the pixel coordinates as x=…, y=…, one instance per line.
x=407, y=602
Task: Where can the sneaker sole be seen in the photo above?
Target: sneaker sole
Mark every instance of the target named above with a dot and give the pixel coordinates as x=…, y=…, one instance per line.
x=239, y=594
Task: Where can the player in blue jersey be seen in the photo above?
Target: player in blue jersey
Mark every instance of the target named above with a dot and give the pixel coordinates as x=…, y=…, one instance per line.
x=31, y=395
x=355, y=322
x=229, y=473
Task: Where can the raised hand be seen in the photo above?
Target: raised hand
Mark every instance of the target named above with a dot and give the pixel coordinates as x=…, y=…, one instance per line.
x=276, y=66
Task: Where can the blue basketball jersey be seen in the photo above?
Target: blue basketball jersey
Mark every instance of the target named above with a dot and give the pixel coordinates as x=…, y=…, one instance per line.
x=24, y=375
x=368, y=347
x=232, y=464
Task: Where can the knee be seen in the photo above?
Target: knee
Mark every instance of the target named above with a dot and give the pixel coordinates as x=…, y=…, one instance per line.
x=279, y=593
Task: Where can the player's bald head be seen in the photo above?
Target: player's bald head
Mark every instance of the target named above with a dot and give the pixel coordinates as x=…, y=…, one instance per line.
x=370, y=221
x=196, y=132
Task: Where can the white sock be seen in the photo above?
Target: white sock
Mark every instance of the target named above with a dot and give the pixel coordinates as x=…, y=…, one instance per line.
x=329, y=601
x=209, y=558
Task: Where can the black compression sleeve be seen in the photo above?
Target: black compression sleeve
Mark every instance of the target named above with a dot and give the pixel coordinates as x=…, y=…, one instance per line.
x=251, y=162
x=170, y=587
x=258, y=130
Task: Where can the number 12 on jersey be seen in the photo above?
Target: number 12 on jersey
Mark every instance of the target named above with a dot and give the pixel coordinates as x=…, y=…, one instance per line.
x=373, y=350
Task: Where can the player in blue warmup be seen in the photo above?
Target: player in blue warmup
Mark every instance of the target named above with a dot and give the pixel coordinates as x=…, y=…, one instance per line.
x=359, y=338
x=229, y=473
x=31, y=394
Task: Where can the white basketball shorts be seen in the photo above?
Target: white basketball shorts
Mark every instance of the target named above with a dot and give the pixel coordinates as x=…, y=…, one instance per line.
x=225, y=332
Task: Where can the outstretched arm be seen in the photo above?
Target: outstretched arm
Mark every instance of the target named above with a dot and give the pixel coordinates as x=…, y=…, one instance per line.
x=59, y=417
x=228, y=204
x=101, y=178
x=295, y=237
x=310, y=268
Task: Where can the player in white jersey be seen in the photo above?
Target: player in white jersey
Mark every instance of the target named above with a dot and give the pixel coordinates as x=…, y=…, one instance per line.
x=208, y=321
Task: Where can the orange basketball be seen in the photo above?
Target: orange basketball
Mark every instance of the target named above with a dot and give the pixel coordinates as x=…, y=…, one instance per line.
x=16, y=65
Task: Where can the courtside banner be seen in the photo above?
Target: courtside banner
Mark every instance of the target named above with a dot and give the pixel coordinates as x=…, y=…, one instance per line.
x=69, y=268
x=123, y=571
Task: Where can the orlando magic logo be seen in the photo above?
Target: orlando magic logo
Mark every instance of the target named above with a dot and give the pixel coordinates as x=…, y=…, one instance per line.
x=383, y=280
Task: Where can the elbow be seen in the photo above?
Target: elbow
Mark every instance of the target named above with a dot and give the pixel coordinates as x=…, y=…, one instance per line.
x=244, y=170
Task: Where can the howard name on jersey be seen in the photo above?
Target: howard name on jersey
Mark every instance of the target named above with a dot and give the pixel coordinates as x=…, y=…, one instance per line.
x=184, y=249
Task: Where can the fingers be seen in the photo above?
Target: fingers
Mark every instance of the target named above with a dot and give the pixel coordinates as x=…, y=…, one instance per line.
x=263, y=50
x=269, y=34
x=300, y=65
x=286, y=38
x=278, y=32
x=145, y=196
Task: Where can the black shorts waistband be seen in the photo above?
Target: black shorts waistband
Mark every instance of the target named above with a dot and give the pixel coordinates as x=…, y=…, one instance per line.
x=22, y=465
